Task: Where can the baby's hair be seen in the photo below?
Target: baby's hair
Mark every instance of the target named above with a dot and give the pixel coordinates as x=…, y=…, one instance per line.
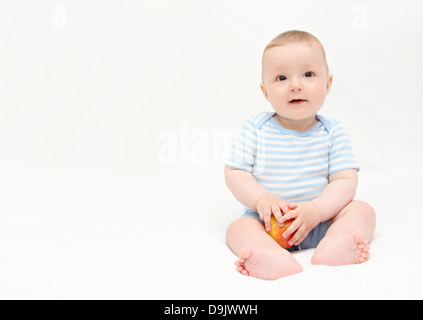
x=295, y=36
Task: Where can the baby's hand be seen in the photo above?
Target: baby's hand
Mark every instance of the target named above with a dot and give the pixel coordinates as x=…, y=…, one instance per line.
x=271, y=204
x=306, y=216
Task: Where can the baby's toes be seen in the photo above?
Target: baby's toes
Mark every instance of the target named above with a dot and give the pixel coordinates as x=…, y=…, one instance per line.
x=364, y=255
x=364, y=247
x=245, y=272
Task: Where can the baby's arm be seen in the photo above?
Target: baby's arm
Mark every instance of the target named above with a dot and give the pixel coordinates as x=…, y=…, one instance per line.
x=244, y=187
x=246, y=190
x=339, y=192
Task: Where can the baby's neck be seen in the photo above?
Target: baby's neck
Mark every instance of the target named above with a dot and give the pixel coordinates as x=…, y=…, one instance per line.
x=296, y=125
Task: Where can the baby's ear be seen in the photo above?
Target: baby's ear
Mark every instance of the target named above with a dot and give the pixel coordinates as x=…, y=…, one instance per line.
x=263, y=89
x=329, y=83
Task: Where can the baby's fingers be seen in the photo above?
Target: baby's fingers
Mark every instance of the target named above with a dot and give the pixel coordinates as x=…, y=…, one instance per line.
x=283, y=205
x=292, y=205
x=287, y=206
x=277, y=213
x=299, y=236
x=267, y=213
x=292, y=214
x=292, y=228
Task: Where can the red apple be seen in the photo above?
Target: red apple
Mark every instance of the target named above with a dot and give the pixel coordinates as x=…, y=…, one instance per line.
x=276, y=232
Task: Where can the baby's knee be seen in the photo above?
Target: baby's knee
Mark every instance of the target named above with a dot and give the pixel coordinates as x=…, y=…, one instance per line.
x=231, y=229
x=240, y=226
x=235, y=226
x=366, y=210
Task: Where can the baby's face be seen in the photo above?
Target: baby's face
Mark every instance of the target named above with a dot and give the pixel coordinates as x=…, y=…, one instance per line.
x=295, y=80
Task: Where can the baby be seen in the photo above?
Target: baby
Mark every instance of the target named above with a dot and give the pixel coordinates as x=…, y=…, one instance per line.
x=296, y=164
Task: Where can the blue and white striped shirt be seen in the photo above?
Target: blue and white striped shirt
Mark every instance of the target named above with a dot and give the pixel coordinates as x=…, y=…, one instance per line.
x=295, y=166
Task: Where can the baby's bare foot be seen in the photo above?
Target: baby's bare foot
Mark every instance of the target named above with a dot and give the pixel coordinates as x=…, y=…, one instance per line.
x=348, y=250
x=266, y=264
x=360, y=248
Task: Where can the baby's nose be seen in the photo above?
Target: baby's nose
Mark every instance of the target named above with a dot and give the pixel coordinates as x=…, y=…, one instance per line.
x=296, y=85
x=296, y=88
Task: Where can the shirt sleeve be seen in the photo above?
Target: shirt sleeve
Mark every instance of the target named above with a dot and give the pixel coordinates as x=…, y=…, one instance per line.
x=341, y=155
x=243, y=152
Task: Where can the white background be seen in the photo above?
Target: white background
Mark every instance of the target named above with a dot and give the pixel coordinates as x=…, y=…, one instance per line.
x=115, y=117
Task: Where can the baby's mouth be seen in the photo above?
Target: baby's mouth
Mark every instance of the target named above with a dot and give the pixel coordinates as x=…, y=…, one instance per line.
x=297, y=101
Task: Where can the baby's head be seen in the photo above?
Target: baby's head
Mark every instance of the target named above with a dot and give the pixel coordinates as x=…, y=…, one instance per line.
x=296, y=36
x=295, y=75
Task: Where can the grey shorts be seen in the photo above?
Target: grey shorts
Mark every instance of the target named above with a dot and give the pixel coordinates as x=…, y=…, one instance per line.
x=312, y=239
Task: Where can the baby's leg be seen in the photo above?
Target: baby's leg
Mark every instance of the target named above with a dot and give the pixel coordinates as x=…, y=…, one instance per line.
x=259, y=255
x=347, y=239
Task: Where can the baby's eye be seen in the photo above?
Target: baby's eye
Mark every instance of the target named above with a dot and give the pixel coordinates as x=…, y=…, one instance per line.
x=309, y=74
x=281, y=78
